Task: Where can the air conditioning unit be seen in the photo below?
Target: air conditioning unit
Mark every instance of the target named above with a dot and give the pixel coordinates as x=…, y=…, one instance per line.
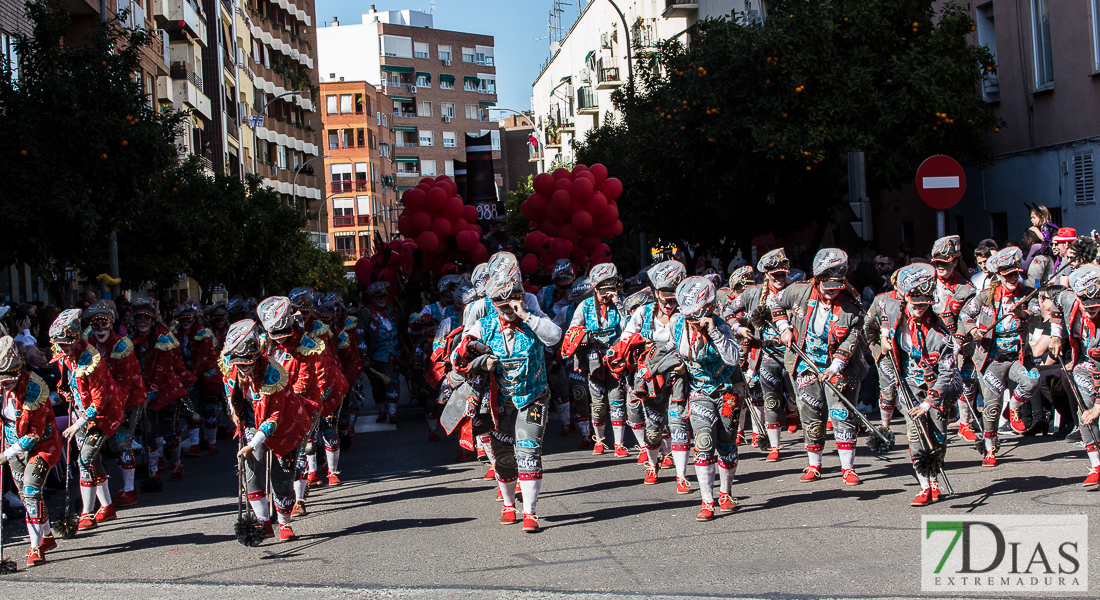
x=569, y=90
x=412, y=89
x=446, y=63
x=446, y=119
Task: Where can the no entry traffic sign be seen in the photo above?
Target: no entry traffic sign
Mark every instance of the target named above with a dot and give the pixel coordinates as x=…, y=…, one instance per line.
x=941, y=181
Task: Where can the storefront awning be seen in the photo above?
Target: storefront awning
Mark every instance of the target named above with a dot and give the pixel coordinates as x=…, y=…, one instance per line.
x=484, y=103
x=397, y=69
x=408, y=159
x=566, y=78
x=402, y=99
x=404, y=128
x=473, y=80
x=445, y=78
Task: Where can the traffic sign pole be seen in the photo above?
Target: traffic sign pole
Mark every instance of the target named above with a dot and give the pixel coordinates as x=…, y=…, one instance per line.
x=941, y=223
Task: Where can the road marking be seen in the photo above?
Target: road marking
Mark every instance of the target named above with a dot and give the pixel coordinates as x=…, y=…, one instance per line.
x=934, y=183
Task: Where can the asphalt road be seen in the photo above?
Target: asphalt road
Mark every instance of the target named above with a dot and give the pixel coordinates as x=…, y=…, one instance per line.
x=409, y=522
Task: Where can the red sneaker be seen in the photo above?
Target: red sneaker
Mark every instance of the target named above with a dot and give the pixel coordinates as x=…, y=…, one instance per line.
x=1093, y=478
x=122, y=499
x=35, y=557
x=433, y=435
x=924, y=498
x=87, y=521
x=643, y=456
x=286, y=534
x=269, y=532
x=683, y=486
x=966, y=433
x=1014, y=418
x=48, y=543
x=154, y=477
x=507, y=515
x=212, y=449
x=935, y=491
x=500, y=495
x=850, y=477
x=598, y=447
x=829, y=425
x=464, y=455
x=481, y=454
x=531, y=523
x=333, y=478
x=393, y=418
x=706, y=513
x=811, y=473
x=314, y=480
x=177, y=472
x=566, y=430
x=299, y=509
x=490, y=475
x=726, y=503
x=792, y=423
x=773, y=456
x=621, y=451
x=382, y=417
x=106, y=513
x=755, y=438
x=586, y=444
x=650, y=476
x=740, y=438
x=667, y=462
x=990, y=460
x=193, y=451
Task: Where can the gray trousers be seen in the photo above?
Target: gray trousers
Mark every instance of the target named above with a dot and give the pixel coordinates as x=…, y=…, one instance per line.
x=606, y=393
x=817, y=402
x=714, y=422
x=283, y=473
x=774, y=382
x=516, y=443
x=1000, y=375
x=1082, y=376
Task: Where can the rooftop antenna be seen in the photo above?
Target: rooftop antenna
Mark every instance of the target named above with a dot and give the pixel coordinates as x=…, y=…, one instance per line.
x=431, y=8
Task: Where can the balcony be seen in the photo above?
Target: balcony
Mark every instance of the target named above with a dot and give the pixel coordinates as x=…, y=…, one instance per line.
x=182, y=15
x=407, y=144
x=363, y=220
x=344, y=221
x=608, y=78
x=165, y=89
x=404, y=113
x=680, y=8
x=349, y=253
x=160, y=42
x=586, y=101
x=362, y=185
x=408, y=174
x=187, y=95
x=183, y=71
x=337, y=186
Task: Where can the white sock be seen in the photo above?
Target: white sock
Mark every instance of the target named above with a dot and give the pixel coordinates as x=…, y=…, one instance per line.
x=886, y=413
x=392, y=408
x=760, y=413
x=128, y=480
x=1094, y=459
x=705, y=475
x=680, y=458
x=530, y=489
x=103, y=493
x=284, y=519
x=212, y=435
x=725, y=476
x=598, y=432
x=924, y=483
x=87, y=498
x=666, y=446
x=814, y=458
x=586, y=428
x=847, y=458
x=563, y=413
x=508, y=490
x=333, y=457
x=193, y=431
x=299, y=489
x=654, y=456
x=618, y=431
x=154, y=458
x=639, y=434
x=773, y=436
x=964, y=411
x=260, y=508
x=741, y=421
x=989, y=444
x=36, y=532
x=311, y=460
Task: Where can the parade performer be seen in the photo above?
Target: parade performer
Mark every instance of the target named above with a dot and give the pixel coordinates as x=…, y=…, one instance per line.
x=887, y=387
x=444, y=307
x=332, y=385
x=1075, y=315
x=577, y=369
x=915, y=343
x=382, y=351
x=656, y=384
x=32, y=445
x=992, y=332
x=716, y=390
x=552, y=299
x=96, y=409
x=219, y=322
x=344, y=327
x=953, y=291
x=166, y=383
x=823, y=319
x=764, y=364
x=199, y=350
x=269, y=417
x=123, y=366
x=598, y=323
x=517, y=338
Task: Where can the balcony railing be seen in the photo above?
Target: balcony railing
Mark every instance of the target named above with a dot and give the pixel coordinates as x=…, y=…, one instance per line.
x=184, y=70
x=363, y=220
x=361, y=185
x=404, y=113
x=228, y=59
x=338, y=186
x=609, y=74
x=161, y=43
x=407, y=144
x=343, y=221
x=349, y=253
x=586, y=98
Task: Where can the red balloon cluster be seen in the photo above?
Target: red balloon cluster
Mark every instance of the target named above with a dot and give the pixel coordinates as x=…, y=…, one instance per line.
x=438, y=221
x=391, y=258
x=571, y=213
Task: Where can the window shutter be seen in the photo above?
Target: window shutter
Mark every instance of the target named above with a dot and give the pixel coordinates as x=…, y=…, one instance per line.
x=1084, y=179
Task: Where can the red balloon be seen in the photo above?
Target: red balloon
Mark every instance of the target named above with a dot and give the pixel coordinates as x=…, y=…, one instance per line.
x=609, y=215
x=558, y=217
x=428, y=242
x=414, y=199
x=560, y=248
x=578, y=169
x=437, y=201
x=563, y=184
x=532, y=225
x=538, y=204
x=441, y=227
x=562, y=173
x=600, y=172
x=612, y=188
x=574, y=207
x=607, y=231
x=568, y=232
x=589, y=242
x=549, y=227
x=458, y=225
x=585, y=175
x=601, y=254
x=530, y=288
x=477, y=228
x=466, y=240
x=454, y=209
x=618, y=227
x=419, y=223
x=526, y=209
x=529, y=264
x=597, y=204
x=579, y=256
x=364, y=267
x=534, y=241
x=430, y=181
x=561, y=200
x=469, y=213
x=403, y=225
x=453, y=188
x=582, y=221
x=543, y=184
x=479, y=254
x=424, y=187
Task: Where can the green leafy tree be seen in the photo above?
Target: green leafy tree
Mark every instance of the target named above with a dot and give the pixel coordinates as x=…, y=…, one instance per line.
x=83, y=144
x=743, y=133
x=518, y=225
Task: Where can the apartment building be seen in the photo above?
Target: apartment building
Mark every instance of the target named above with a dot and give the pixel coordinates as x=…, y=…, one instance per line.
x=359, y=163
x=518, y=148
x=442, y=84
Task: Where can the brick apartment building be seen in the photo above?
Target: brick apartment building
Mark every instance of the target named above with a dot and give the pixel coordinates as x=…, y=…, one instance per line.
x=519, y=158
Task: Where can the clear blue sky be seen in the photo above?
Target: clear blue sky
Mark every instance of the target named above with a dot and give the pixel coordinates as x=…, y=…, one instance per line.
x=514, y=23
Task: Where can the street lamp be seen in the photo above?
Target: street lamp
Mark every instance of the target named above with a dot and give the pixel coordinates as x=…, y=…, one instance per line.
x=629, y=62
x=256, y=136
x=294, y=184
x=324, y=204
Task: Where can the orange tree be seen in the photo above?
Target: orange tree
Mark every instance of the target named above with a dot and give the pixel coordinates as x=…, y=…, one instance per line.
x=743, y=132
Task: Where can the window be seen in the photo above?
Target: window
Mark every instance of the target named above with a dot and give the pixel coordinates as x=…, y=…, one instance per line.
x=346, y=104
x=424, y=108
x=1095, y=36
x=487, y=83
x=987, y=36
x=1084, y=190
x=331, y=106
x=447, y=82
x=372, y=142
x=449, y=167
x=363, y=204
x=373, y=172
x=397, y=46
x=483, y=55
x=281, y=155
x=341, y=178
x=407, y=168
x=1040, y=36
x=470, y=84
x=449, y=139
x=349, y=137
x=343, y=207
x=494, y=137
x=345, y=241
x=427, y=138
x=359, y=104
x=998, y=225
x=420, y=49
x=444, y=52
x=427, y=168
x=447, y=109
x=333, y=139
x=472, y=112
x=423, y=80
x=360, y=138
x=467, y=55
